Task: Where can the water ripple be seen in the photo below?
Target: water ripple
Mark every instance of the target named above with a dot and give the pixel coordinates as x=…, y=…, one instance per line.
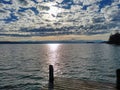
x=26, y=86
x=25, y=67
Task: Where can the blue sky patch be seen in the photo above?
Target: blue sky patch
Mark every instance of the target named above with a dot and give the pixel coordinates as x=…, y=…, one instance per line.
x=119, y=5
x=36, y=12
x=67, y=4
x=35, y=1
x=85, y=7
x=6, y=2
x=11, y=18
x=103, y=3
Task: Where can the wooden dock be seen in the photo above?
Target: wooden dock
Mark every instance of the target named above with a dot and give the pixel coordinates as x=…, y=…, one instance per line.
x=74, y=84
x=57, y=83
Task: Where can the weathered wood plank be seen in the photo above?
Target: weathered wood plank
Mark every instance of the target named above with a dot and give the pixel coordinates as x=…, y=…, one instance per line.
x=74, y=84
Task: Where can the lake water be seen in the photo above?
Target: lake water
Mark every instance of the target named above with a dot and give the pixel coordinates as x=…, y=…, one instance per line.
x=25, y=66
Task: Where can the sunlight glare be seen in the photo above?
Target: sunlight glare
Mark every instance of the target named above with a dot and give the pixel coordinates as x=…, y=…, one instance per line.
x=53, y=53
x=54, y=56
x=53, y=11
x=53, y=47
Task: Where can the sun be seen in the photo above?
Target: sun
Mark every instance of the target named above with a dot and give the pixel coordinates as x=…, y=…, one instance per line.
x=53, y=11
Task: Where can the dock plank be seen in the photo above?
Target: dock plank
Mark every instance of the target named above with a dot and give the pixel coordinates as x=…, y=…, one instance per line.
x=74, y=84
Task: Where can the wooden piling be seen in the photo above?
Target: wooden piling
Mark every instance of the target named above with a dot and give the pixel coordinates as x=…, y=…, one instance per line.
x=118, y=79
x=51, y=76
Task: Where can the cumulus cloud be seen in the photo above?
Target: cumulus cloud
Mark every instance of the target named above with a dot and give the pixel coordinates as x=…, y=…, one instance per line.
x=23, y=18
x=111, y=12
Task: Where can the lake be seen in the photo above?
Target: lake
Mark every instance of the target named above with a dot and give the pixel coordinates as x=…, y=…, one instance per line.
x=25, y=66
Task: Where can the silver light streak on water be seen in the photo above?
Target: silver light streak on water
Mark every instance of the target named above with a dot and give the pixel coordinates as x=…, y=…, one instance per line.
x=26, y=66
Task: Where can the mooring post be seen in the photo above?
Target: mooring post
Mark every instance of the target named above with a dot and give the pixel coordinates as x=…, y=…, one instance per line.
x=118, y=79
x=51, y=76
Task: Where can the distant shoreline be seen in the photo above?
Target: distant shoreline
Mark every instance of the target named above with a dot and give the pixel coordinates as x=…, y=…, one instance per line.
x=48, y=42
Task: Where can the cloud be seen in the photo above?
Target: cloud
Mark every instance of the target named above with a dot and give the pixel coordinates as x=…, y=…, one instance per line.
x=23, y=18
x=111, y=12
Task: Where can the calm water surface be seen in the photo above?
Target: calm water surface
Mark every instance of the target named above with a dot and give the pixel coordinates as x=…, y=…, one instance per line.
x=25, y=66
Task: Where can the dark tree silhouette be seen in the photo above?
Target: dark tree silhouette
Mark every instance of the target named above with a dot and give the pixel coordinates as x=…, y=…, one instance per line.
x=114, y=39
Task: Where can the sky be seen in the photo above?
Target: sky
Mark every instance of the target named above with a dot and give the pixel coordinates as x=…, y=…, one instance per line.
x=36, y=20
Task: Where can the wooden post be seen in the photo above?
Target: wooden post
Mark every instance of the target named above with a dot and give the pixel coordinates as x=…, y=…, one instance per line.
x=118, y=79
x=51, y=74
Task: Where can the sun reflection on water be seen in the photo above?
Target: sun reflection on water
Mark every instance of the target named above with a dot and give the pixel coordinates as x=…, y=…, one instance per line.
x=54, y=47
x=54, y=56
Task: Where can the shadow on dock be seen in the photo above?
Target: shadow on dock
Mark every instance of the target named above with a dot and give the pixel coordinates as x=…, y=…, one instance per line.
x=59, y=83
x=74, y=84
